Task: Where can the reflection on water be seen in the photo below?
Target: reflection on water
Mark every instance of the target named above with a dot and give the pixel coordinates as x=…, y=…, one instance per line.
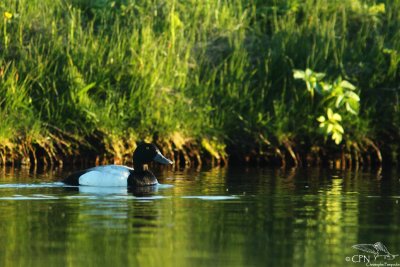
x=218, y=217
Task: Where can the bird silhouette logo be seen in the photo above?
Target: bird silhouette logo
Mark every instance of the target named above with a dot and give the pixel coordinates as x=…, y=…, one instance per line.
x=378, y=249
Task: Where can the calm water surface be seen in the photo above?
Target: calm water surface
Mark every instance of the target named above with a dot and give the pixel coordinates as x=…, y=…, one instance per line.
x=217, y=217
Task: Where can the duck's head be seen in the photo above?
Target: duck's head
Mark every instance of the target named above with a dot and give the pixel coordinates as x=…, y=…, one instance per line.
x=146, y=153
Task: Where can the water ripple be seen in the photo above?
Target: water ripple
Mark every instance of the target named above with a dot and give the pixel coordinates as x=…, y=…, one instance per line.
x=39, y=185
x=212, y=197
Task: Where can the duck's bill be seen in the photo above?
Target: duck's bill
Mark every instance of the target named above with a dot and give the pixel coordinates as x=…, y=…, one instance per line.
x=161, y=159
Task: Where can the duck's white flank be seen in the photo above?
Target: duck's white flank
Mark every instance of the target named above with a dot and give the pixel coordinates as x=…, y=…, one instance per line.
x=109, y=175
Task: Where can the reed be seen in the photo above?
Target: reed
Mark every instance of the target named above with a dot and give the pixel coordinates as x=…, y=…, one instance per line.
x=198, y=77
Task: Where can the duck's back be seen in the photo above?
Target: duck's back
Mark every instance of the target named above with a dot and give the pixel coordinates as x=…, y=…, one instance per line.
x=108, y=175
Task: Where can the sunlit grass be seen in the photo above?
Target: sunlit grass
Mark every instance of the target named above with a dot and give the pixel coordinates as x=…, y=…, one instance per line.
x=100, y=75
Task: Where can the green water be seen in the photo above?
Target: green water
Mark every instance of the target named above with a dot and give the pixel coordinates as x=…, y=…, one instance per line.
x=217, y=217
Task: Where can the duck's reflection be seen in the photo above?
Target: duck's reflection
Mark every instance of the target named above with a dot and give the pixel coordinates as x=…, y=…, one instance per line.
x=144, y=191
x=121, y=191
x=117, y=207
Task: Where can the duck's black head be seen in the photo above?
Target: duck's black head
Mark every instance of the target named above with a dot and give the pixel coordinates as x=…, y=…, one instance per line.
x=146, y=153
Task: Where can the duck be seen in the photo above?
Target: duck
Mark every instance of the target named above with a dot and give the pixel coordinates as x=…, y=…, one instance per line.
x=119, y=175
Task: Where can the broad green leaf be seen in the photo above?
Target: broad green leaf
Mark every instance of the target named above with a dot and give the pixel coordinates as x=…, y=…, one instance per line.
x=321, y=119
x=347, y=85
x=353, y=96
x=309, y=87
x=336, y=117
x=354, y=105
x=327, y=87
x=350, y=109
x=339, y=100
x=329, y=129
x=320, y=75
x=337, y=90
x=337, y=137
x=339, y=128
x=329, y=113
x=299, y=74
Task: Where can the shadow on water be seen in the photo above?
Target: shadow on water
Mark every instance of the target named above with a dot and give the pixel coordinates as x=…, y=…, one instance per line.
x=217, y=217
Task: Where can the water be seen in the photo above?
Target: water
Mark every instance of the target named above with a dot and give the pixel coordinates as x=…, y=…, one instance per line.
x=217, y=217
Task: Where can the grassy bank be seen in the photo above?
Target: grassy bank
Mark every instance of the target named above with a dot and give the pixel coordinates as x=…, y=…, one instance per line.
x=93, y=77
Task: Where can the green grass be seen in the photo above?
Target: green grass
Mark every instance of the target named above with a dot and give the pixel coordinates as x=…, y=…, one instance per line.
x=96, y=76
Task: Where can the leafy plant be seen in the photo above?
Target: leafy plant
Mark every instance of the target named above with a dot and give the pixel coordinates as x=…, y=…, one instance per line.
x=112, y=72
x=335, y=97
x=331, y=125
x=312, y=80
